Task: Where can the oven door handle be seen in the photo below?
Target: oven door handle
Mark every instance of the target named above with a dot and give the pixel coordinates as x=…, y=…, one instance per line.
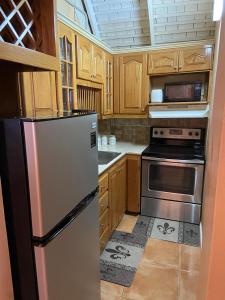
x=189, y=161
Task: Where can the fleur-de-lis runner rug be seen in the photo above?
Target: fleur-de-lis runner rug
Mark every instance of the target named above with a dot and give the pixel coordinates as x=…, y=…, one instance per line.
x=173, y=231
x=122, y=254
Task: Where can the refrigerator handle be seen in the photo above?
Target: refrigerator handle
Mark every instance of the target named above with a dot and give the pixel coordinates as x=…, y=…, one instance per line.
x=65, y=222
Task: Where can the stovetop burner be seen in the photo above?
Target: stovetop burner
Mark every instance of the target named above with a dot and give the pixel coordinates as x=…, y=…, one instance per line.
x=174, y=152
x=176, y=143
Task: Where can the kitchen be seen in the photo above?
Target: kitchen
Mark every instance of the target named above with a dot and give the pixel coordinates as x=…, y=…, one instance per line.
x=149, y=201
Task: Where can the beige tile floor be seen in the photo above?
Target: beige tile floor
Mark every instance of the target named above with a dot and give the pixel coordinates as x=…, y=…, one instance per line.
x=167, y=271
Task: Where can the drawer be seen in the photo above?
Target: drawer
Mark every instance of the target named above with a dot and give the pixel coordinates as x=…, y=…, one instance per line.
x=103, y=203
x=103, y=222
x=103, y=184
x=104, y=238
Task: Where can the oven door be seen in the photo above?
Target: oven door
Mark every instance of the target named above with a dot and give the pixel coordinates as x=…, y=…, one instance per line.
x=172, y=179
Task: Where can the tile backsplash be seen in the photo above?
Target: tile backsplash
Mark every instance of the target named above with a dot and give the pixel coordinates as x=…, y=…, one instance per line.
x=137, y=130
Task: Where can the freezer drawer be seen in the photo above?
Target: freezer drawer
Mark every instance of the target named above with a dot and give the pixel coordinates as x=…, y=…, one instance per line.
x=68, y=267
x=172, y=210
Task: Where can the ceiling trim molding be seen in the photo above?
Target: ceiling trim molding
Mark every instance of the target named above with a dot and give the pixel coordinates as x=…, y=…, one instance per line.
x=101, y=44
x=72, y=24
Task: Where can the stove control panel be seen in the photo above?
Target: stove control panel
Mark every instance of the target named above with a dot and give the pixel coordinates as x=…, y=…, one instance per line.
x=177, y=133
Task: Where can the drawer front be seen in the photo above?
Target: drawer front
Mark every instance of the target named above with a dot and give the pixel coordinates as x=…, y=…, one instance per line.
x=103, y=184
x=103, y=222
x=104, y=238
x=173, y=210
x=103, y=203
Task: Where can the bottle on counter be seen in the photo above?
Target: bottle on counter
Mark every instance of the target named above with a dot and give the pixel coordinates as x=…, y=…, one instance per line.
x=104, y=140
x=112, y=140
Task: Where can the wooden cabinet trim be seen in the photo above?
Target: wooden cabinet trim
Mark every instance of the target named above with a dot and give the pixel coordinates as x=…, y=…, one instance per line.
x=103, y=184
x=103, y=202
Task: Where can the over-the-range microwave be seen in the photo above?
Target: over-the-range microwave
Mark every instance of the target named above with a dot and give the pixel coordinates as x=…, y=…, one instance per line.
x=183, y=92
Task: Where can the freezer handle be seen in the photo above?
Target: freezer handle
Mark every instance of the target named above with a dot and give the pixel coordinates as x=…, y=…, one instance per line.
x=65, y=222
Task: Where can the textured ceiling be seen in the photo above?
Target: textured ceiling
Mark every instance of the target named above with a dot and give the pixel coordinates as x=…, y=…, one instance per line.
x=123, y=23
x=136, y=23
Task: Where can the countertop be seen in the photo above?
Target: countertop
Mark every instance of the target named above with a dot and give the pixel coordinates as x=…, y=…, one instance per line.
x=124, y=148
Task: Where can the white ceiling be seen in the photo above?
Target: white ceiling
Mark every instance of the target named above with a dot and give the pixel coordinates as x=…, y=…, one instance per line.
x=136, y=23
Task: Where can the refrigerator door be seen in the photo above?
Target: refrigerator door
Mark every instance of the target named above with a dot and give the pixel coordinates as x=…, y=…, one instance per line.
x=68, y=266
x=62, y=167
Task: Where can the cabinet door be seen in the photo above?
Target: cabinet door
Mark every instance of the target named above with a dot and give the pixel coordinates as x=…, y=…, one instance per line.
x=133, y=84
x=117, y=190
x=67, y=84
x=133, y=183
x=160, y=62
x=123, y=191
x=195, y=59
x=108, y=86
x=84, y=58
x=38, y=93
x=114, y=190
x=98, y=63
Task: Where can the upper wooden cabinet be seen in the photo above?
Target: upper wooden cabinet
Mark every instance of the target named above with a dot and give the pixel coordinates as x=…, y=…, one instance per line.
x=195, y=59
x=163, y=62
x=27, y=33
x=108, y=86
x=180, y=60
x=133, y=83
x=84, y=58
x=67, y=84
x=98, y=64
x=38, y=93
x=90, y=61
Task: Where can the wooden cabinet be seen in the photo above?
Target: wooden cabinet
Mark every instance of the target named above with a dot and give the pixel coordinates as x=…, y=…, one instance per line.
x=133, y=183
x=27, y=33
x=98, y=64
x=38, y=93
x=195, y=59
x=67, y=84
x=108, y=86
x=133, y=84
x=84, y=58
x=190, y=59
x=90, y=60
x=117, y=192
x=163, y=62
x=104, y=210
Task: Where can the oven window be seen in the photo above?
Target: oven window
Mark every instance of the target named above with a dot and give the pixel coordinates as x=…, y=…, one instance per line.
x=172, y=179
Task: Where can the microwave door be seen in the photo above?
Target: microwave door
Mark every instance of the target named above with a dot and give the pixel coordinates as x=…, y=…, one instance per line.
x=183, y=92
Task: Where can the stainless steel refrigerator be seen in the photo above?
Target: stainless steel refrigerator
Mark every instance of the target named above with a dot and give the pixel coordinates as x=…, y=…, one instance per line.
x=49, y=176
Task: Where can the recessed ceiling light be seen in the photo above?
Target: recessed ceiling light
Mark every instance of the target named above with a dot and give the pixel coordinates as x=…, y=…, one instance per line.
x=217, y=10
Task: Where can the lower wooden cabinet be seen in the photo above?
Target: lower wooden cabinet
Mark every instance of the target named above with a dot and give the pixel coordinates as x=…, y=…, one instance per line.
x=117, y=192
x=133, y=183
x=112, y=199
